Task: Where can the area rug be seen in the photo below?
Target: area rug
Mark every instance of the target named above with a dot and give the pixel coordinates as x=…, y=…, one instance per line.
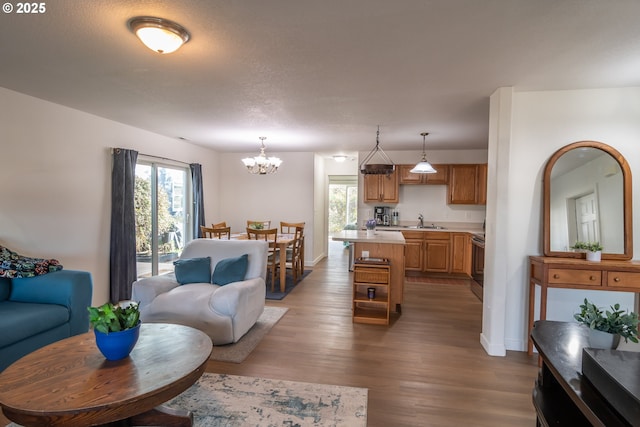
x=229, y=400
x=239, y=351
x=218, y=400
x=288, y=286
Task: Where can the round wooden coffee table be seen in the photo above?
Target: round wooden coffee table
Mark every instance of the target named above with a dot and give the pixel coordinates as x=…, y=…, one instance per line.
x=71, y=383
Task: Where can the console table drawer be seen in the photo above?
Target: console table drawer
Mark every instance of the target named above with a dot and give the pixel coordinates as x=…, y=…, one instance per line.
x=625, y=279
x=575, y=277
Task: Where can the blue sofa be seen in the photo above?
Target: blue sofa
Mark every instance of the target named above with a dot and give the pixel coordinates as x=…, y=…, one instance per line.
x=39, y=310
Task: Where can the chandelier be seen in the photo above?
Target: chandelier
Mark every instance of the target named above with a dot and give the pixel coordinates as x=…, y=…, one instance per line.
x=261, y=164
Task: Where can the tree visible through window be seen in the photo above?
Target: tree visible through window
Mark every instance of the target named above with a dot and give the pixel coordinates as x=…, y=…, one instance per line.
x=161, y=216
x=343, y=202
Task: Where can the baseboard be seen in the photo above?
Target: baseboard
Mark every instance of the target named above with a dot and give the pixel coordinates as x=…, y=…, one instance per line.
x=492, y=349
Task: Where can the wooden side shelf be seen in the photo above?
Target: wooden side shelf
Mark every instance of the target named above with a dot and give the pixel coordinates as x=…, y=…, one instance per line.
x=375, y=275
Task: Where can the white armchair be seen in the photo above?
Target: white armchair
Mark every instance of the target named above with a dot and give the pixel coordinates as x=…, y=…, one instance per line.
x=225, y=313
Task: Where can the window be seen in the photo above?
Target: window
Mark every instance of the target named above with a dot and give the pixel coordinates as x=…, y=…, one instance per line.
x=163, y=215
x=343, y=202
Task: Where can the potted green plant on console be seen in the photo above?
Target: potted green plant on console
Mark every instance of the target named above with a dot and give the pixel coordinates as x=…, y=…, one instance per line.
x=606, y=327
x=116, y=327
x=593, y=250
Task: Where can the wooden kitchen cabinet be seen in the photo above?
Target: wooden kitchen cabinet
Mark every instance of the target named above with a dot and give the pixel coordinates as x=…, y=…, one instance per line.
x=438, y=252
x=437, y=247
x=482, y=184
x=441, y=177
x=461, y=253
x=467, y=184
x=413, y=250
x=381, y=188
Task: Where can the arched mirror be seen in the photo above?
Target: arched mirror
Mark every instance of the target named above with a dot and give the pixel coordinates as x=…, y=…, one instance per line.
x=587, y=197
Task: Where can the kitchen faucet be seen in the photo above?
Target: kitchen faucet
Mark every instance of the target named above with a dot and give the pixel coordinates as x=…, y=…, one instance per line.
x=420, y=221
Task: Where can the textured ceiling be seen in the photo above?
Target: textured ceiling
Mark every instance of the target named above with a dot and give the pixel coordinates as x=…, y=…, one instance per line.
x=318, y=76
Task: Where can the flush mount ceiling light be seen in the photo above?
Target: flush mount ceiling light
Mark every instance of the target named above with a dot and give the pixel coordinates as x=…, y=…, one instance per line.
x=377, y=168
x=339, y=158
x=261, y=164
x=423, y=165
x=159, y=35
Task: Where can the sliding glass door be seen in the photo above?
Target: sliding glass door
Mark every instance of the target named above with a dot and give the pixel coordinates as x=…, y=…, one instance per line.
x=163, y=214
x=343, y=202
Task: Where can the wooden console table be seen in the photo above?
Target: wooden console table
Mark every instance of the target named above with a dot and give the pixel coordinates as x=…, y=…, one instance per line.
x=562, y=396
x=573, y=273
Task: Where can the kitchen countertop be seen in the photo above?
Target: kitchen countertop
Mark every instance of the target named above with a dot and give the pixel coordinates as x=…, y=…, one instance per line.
x=387, y=236
x=449, y=227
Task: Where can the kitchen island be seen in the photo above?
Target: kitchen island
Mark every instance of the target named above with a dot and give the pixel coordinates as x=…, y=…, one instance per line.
x=382, y=244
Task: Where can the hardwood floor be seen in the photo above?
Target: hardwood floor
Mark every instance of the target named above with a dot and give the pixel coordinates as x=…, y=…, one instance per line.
x=426, y=369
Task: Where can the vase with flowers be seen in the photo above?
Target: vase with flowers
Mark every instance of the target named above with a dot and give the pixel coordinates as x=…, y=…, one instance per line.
x=371, y=226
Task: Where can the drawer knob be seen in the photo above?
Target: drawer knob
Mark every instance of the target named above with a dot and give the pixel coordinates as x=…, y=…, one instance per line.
x=556, y=276
x=616, y=279
x=592, y=277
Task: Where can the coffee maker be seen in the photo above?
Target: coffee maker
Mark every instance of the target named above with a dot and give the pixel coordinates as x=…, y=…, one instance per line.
x=382, y=215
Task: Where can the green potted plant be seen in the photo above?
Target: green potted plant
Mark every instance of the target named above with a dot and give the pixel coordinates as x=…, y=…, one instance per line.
x=606, y=327
x=593, y=250
x=116, y=328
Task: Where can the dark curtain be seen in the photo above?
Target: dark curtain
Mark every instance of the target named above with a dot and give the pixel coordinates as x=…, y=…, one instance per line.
x=198, y=203
x=122, y=253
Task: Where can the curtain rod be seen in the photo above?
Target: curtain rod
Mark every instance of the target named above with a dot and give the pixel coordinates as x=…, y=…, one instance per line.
x=152, y=156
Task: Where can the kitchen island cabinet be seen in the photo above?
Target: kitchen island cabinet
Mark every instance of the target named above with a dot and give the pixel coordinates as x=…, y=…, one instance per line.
x=383, y=244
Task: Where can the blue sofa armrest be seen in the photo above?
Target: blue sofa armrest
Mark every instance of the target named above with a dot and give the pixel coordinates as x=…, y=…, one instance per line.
x=70, y=288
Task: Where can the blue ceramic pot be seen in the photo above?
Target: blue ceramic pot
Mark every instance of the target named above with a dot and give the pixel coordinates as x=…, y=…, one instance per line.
x=117, y=345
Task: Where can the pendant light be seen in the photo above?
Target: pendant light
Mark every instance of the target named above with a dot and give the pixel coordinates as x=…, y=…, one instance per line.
x=423, y=165
x=377, y=168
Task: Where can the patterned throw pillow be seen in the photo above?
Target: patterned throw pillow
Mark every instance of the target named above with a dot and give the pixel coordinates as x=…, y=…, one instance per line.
x=14, y=265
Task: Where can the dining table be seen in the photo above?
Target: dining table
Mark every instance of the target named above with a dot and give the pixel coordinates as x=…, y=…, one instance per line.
x=283, y=241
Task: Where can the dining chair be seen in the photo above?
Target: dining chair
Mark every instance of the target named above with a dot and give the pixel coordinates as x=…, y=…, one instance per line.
x=216, y=233
x=269, y=235
x=207, y=232
x=265, y=224
x=294, y=253
x=290, y=228
x=222, y=232
x=222, y=224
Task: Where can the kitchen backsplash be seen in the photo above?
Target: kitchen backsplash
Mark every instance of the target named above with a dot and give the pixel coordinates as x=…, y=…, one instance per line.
x=431, y=202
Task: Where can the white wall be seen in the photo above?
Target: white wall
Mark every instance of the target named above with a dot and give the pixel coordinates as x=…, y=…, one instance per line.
x=429, y=200
x=56, y=175
x=526, y=129
x=287, y=195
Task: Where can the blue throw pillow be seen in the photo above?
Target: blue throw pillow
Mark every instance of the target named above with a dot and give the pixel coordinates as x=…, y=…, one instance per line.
x=193, y=270
x=230, y=270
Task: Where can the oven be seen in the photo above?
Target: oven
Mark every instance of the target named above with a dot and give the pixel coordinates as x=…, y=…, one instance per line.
x=477, y=264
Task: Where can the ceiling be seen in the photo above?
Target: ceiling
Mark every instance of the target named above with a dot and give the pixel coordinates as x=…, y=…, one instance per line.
x=318, y=75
